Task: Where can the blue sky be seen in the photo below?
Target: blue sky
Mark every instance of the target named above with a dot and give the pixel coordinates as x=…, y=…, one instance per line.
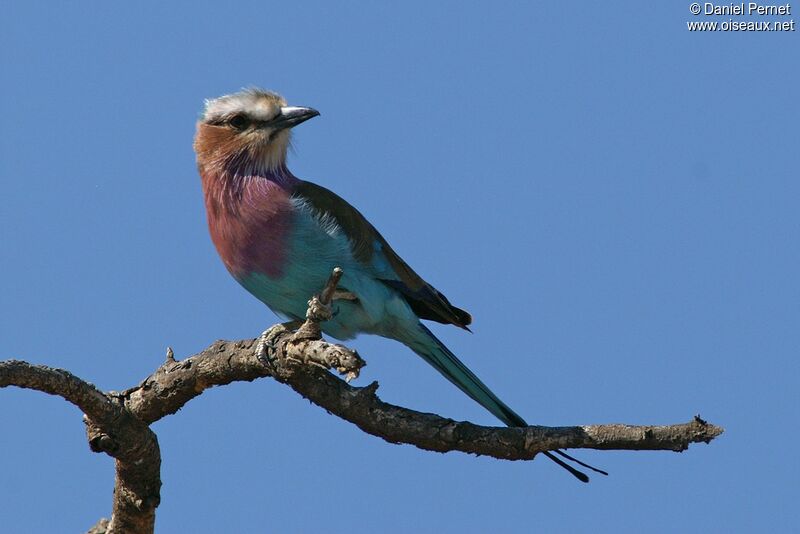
x=613, y=197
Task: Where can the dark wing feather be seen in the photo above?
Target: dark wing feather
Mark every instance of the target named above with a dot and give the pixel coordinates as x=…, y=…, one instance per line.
x=424, y=299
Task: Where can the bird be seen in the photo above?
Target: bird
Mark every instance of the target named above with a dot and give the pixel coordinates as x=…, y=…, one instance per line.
x=280, y=238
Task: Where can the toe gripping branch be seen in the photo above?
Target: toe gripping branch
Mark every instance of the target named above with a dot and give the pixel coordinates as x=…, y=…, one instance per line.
x=279, y=345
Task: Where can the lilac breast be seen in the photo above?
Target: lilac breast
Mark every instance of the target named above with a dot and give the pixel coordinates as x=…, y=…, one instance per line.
x=249, y=222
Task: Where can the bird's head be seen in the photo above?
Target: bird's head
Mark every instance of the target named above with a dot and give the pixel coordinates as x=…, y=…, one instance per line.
x=247, y=132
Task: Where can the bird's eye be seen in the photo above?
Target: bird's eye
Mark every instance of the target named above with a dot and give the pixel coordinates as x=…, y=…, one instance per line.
x=240, y=122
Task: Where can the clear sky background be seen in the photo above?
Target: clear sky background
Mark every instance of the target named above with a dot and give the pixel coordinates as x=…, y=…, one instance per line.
x=614, y=198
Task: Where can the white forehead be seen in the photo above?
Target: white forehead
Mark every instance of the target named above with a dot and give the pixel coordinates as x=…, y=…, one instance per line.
x=258, y=104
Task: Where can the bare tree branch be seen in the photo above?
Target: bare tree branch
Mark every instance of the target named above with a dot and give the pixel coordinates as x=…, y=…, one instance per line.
x=117, y=422
x=110, y=428
x=82, y=394
x=172, y=385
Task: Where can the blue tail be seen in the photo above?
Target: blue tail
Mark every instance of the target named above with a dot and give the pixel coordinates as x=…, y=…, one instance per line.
x=435, y=353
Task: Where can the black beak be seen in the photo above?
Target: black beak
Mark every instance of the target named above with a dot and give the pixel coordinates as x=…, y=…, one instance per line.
x=292, y=116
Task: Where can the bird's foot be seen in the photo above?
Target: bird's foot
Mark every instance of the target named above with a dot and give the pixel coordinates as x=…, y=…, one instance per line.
x=278, y=342
x=319, y=307
x=267, y=344
x=318, y=311
x=305, y=345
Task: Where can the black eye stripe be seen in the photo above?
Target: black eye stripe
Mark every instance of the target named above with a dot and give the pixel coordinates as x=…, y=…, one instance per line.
x=226, y=121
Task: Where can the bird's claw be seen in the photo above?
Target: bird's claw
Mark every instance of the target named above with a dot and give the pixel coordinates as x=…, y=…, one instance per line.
x=317, y=311
x=266, y=346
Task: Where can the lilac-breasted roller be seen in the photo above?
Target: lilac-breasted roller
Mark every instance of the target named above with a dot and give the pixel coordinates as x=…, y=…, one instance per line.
x=280, y=237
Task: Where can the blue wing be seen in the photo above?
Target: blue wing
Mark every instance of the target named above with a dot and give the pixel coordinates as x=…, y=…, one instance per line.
x=371, y=250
